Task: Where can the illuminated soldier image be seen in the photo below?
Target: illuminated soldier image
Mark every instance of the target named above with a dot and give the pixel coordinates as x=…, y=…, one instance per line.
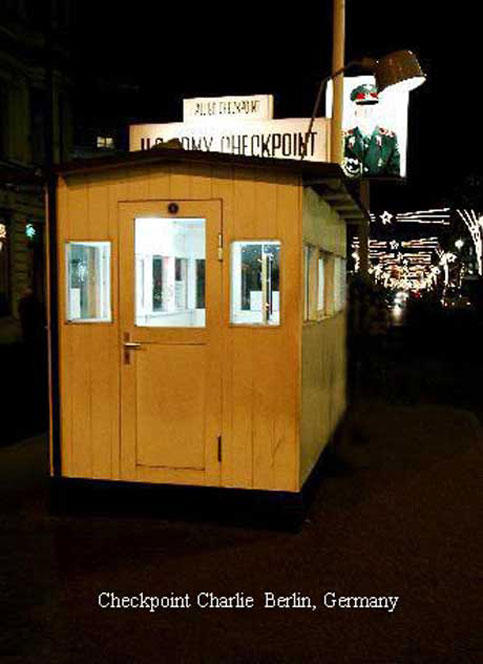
x=369, y=150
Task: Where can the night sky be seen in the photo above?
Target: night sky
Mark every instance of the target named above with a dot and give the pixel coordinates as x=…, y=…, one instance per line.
x=175, y=51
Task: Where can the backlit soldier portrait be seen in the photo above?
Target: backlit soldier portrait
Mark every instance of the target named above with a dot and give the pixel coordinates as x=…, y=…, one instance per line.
x=369, y=150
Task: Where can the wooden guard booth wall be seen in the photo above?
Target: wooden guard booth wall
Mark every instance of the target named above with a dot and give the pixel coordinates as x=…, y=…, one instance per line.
x=227, y=405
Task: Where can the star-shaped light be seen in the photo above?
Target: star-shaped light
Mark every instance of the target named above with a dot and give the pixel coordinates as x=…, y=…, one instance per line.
x=386, y=217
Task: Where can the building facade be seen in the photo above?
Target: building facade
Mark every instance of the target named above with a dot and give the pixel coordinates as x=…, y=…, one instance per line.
x=35, y=130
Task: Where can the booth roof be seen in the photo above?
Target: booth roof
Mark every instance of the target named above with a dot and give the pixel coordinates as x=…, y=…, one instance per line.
x=326, y=178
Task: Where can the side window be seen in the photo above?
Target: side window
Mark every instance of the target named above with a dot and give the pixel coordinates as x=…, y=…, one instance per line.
x=88, y=271
x=339, y=284
x=324, y=283
x=255, y=282
x=316, y=267
x=310, y=282
x=321, y=298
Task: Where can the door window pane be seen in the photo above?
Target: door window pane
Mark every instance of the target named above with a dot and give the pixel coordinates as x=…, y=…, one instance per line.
x=88, y=281
x=200, y=283
x=157, y=283
x=170, y=282
x=255, y=282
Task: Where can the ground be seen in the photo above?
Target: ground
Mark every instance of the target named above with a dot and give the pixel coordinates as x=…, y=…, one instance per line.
x=397, y=512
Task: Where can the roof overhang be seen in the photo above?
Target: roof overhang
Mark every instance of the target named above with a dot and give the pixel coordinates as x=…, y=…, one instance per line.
x=337, y=192
x=326, y=178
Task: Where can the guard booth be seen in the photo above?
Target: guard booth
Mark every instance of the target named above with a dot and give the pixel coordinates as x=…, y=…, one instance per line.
x=197, y=318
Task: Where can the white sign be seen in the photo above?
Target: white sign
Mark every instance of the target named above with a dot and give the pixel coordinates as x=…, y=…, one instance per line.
x=276, y=139
x=375, y=131
x=254, y=107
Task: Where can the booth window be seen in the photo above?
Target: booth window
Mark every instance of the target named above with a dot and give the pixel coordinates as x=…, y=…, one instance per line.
x=255, y=282
x=88, y=281
x=321, y=284
x=339, y=284
x=170, y=272
x=324, y=283
x=315, y=267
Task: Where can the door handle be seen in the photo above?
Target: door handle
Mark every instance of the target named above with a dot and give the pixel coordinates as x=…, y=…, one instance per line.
x=132, y=345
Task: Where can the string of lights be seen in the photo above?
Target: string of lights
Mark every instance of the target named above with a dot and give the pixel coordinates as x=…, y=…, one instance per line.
x=420, y=262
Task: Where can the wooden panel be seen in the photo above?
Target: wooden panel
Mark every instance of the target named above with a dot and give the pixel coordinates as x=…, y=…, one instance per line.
x=200, y=182
x=233, y=473
x=266, y=347
x=261, y=372
x=323, y=341
x=322, y=225
x=138, y=184
x=89, y=387
x=103, y=384
x=76, y=347
x=159, y=185
x=170, y=406
x=323, y=386
x=180, y=182
x=286, y=442
x=79, y=365
x=116, y=191
x=240, y=369
x=77, y=225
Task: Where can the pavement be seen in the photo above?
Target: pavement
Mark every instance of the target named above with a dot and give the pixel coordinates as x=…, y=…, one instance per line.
x=397, y=513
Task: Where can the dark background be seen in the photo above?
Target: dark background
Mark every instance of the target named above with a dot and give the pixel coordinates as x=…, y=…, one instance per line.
x=159, y=53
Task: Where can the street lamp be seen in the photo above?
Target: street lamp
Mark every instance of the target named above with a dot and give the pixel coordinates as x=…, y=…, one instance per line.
x=400, y=70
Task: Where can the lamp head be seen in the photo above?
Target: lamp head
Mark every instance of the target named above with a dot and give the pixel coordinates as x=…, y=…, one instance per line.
x=400, y=70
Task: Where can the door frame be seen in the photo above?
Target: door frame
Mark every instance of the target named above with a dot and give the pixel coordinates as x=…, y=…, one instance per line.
x=211, y=336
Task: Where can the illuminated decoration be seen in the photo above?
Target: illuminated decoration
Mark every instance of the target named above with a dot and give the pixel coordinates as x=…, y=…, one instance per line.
x=439, y=216
x=445, y=258
x=436, y=216
x=3, y=235
x=357, y=260
x=30, y=231
x=402, y=265
x=475, y=226
x=401, y=259
x=421, y=243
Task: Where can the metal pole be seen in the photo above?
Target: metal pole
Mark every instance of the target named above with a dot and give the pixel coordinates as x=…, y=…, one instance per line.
x=338, y=58
x=51, y=185
x=363, y=233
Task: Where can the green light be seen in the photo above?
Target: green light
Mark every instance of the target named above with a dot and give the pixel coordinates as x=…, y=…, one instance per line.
x=30, y=231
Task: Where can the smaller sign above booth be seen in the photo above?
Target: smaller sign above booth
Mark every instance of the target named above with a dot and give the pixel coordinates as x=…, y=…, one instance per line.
x=253, y=107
